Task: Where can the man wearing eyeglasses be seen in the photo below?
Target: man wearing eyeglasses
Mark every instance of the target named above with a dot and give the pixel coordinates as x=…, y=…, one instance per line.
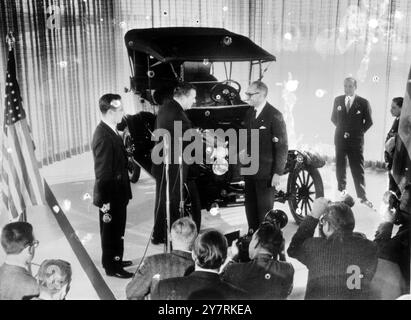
x=16, y=280
x=272, y=156
x=112, y=190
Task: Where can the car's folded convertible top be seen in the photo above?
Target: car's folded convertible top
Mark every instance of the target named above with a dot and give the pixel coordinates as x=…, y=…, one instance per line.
x=194, y=44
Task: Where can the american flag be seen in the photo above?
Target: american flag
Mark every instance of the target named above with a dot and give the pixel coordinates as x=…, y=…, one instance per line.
x=401, y=169
x=21, y=184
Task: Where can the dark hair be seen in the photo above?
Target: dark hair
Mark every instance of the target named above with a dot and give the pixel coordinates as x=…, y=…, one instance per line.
x=261, y=86
x=398, y=101
x=210, y=249
x=106, y=100
x=16, y=236
x=341, y=218
x=183, y=89
x=270, y=237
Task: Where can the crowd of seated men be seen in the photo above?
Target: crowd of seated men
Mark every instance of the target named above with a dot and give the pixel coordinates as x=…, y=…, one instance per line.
x=342, y=263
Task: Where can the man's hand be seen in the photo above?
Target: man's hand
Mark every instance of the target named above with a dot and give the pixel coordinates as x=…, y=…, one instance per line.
x=319, y=207
x=105, y=208
x=233, y=251
x=390, y=145
x=275, y=181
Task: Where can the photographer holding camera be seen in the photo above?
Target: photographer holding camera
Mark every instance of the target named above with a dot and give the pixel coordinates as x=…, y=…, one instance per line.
x=341, y=263
x=396, y=249
x=264, y=277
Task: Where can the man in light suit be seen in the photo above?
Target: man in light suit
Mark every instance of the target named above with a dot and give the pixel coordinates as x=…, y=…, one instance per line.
x=352, y=117
x=273, y=151
x=112, y=190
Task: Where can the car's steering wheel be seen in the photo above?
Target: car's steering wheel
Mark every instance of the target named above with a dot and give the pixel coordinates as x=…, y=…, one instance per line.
x=225, y=92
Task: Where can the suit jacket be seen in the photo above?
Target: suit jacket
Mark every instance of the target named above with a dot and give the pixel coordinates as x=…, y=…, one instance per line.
x=392, y=133
x=16, y=283
x=182, y=288
x=110, y=167
x=395, y=248
x=263, y=278
x=356, y=122
x=273, y=141
x=330, y=262
x=169, y=114
x=166, y=265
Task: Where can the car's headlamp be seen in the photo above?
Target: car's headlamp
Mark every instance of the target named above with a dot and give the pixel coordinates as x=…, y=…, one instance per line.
x=220, y=167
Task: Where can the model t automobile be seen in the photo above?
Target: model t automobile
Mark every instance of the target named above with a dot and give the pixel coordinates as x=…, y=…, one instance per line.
x=209, y=58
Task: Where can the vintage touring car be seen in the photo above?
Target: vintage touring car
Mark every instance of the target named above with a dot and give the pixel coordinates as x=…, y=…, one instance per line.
x=209, y=58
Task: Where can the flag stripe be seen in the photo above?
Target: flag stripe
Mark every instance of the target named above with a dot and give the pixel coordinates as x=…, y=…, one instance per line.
x=13, y=187
x=18, y=163
x=33, y=182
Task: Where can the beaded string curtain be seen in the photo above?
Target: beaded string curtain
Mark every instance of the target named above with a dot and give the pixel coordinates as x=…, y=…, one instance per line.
x=70, y=52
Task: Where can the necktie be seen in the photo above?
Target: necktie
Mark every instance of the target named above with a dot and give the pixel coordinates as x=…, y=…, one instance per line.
x=348, y=104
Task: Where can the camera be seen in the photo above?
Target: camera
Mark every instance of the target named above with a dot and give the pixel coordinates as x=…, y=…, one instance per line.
x=276, y=217
x=391, y=199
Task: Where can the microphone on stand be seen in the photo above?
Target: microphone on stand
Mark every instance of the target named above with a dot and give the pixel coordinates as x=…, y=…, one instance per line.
x=180, y=162
x=167, y=165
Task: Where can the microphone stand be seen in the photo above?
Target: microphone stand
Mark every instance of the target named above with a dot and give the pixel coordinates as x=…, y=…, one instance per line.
x=167, y=165
x=180, y=161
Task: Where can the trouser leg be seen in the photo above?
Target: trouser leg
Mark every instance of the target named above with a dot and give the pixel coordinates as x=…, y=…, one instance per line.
x=341, y=167
x=251, y=208
x=265, y=198
x=112, y=228
x=356, y=159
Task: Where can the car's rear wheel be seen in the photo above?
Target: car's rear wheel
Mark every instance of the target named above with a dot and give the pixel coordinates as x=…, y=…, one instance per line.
x=304, y=186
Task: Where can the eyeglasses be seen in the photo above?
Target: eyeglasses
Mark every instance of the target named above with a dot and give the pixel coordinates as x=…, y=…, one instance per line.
x=33, y=245
x=250, y=94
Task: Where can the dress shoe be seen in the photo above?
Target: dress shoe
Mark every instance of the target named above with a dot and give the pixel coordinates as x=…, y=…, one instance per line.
x=122, y=274
x=368, y=203
x=126, y=263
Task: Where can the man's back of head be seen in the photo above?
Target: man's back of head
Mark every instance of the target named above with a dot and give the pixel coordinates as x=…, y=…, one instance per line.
x=16, y=236
x=210, y=250
x=54, y=279
x=183, y=234
x=340, y=219
x=267, y=239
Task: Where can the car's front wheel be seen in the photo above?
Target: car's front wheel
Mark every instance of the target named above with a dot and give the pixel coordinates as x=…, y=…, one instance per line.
x=304, y=186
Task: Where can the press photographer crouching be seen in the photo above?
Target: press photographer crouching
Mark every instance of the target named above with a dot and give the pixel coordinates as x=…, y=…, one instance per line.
x=395, y=248
x=341, y=263
x=264, y=277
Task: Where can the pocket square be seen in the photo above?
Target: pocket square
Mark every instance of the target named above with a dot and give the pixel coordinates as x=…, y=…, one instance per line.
x=262, y=128
x=358, y=112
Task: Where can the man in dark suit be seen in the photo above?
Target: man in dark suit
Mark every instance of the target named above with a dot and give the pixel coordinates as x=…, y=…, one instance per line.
x=273, y=150
x=341, y=263
x=264, y=277
x=165, y=265
x=112, y=190
x=172, y=114
x=352, y=117
x=209, y=254
x=396, y=107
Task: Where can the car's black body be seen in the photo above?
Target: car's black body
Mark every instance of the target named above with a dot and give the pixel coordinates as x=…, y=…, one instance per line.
x=162, y=57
